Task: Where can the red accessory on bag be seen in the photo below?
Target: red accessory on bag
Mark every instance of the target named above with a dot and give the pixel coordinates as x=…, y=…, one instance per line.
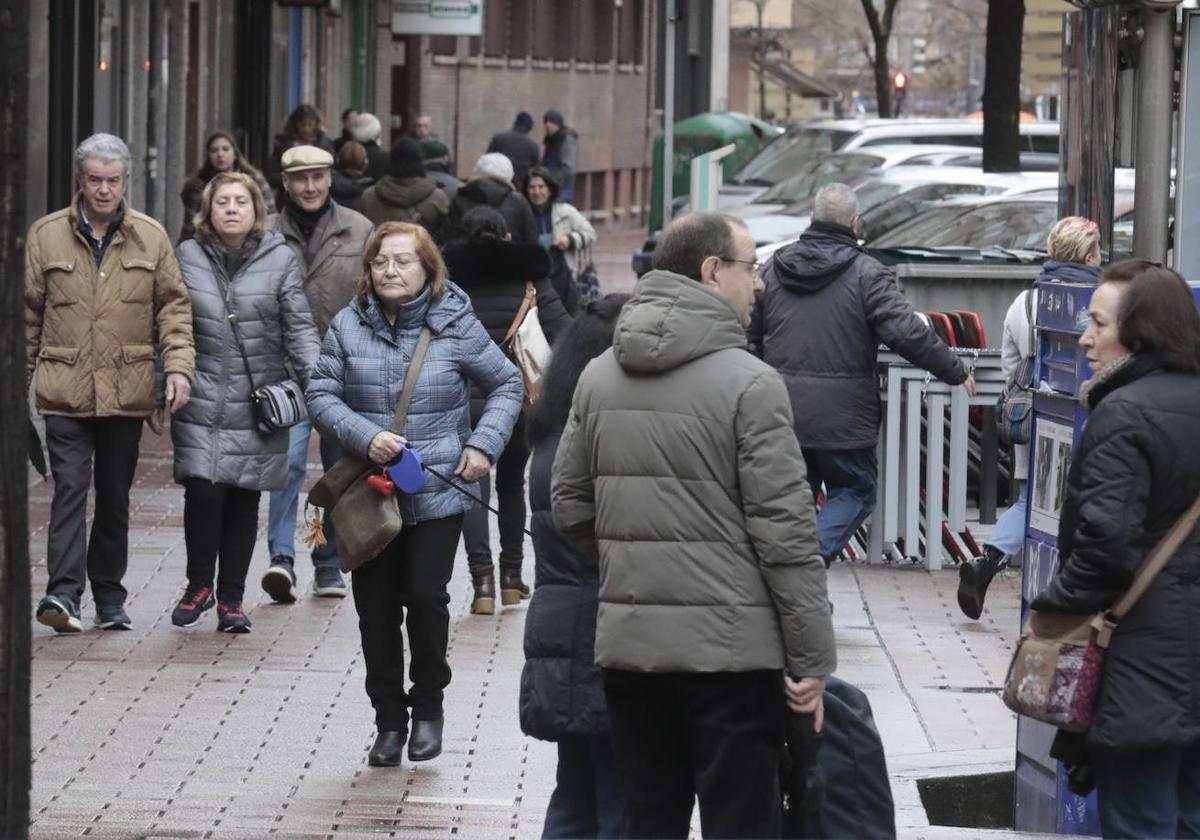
x=381, y=483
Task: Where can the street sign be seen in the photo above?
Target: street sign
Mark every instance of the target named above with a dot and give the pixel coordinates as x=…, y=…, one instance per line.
x=437, y=17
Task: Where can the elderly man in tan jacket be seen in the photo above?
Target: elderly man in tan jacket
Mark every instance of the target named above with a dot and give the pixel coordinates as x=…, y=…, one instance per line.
x=104, y=307
x=679, y=466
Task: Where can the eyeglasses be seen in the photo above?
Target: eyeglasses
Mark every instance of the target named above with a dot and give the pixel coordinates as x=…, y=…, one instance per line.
x=381, y=264
x=754, y=264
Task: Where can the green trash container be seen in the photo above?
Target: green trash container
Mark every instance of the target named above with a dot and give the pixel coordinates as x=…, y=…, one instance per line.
x=704, y=133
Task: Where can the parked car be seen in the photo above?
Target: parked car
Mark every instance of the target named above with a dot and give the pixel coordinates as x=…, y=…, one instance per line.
x=889, y=198
x=1013, y=223
x=785, y=155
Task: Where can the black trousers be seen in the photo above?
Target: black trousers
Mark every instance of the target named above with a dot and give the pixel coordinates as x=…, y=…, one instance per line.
x=220, y=522
x=718, y=736
x=72, y=558
x=510, y=498
x=406, y=585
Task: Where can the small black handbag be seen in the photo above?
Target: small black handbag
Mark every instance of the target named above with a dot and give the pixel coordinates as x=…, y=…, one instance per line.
x=276, y=406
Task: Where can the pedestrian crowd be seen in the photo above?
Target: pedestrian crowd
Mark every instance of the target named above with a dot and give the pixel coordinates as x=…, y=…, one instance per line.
x=698, y=453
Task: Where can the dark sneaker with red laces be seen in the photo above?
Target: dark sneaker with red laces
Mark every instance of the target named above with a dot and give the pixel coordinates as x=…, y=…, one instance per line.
x=231, y=619
x=195, y=602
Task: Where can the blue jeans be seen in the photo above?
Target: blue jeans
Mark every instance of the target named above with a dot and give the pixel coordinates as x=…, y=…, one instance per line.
x=1008, y=534
x=281, y=512
x=587, y=800
x=850, y=477
x=1149, y=796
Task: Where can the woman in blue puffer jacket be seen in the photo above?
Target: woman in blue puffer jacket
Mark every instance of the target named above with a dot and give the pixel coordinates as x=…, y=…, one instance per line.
x=352, y=397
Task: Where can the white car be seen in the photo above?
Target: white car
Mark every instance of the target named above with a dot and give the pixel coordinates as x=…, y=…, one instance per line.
x=784, y=156
x=890, y=198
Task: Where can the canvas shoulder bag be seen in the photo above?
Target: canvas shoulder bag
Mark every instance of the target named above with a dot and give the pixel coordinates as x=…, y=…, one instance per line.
x=1014, y=408
x=527, y=346
x=1056, y=669
x=366, y=521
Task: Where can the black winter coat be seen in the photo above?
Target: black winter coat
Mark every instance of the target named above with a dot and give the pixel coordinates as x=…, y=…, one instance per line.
x=513, y=206
x=561, y=690
x=493, y=274
x=1135, y=471
x=519, y=148
x=826, y=309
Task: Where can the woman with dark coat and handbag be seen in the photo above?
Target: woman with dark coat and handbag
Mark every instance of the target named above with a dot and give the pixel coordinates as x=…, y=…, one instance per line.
x=234, y=267
x=355, y=388
x=562, y=695
x=1135, y=471
x=493, y=271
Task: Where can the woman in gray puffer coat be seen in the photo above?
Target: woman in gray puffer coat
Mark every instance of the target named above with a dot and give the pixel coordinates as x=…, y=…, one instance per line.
x=352, y=398
x=234, y=266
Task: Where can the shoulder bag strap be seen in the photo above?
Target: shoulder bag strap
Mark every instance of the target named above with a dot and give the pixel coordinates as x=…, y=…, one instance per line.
x=410, y=380
x=231, y=316
x=526, y=305
x=1029, y=293
x=1154, y=562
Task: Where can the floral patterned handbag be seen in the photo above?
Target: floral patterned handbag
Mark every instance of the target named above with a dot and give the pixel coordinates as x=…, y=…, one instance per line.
x=1056, y=670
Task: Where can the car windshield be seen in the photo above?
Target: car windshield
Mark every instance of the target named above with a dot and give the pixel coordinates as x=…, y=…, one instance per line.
x=888, y=215
x=785, y=155
x=811, y=178
x=1017, y=225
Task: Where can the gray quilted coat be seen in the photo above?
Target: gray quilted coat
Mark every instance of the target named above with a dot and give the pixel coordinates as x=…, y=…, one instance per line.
x=357, y=383
x=214, y=433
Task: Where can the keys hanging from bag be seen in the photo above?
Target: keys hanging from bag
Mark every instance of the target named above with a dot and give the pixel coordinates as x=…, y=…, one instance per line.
x=527, y=346
x=1014, y=408
x=1057, y=667
x=365, y=520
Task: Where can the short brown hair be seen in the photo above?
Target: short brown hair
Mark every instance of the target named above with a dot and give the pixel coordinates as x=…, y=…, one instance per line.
x=427, y=253
x=200, y=220
x=1157, y=314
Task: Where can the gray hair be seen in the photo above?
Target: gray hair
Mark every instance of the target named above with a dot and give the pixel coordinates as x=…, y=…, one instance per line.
x=835, y=203
x=365, y=128
x=690, y=240
x=105, y=148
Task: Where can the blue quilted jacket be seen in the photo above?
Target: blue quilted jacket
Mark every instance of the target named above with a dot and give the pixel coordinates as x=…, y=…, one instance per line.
x=356, y=384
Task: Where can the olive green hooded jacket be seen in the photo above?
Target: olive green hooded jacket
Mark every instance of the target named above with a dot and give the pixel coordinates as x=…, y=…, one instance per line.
x=679, y=470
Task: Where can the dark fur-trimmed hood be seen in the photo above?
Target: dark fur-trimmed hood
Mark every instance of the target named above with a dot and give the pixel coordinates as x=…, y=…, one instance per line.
x=496, y=261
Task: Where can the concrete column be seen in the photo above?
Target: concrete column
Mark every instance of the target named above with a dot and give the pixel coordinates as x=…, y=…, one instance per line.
x=1156, y=71
x=719, y=75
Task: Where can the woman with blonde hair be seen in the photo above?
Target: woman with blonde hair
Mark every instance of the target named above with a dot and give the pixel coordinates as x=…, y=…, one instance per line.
x=403, y=294
x=250, y=317
x=1073, y=255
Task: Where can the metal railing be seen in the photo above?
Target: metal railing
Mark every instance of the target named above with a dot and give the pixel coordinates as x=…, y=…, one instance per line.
x=920, y=415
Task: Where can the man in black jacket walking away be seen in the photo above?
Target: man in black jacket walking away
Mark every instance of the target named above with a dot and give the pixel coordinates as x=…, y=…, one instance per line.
x=519, y=147
x=825, y=309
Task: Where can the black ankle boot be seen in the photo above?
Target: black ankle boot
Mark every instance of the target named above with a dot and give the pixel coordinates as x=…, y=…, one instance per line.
x=426, y=740
x=512, y=589
x=484, y=602
x=974, y=577
x=388, y=749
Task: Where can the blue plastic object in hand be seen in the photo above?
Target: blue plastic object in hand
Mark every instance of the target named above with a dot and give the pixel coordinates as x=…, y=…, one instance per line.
x=406, y=471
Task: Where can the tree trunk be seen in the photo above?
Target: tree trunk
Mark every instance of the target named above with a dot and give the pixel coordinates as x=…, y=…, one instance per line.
x=1002, y=86
x=883, y=79
x=14, y=419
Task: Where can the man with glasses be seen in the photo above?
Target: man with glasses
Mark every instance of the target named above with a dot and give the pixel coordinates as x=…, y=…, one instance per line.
x=328, y=241
x=825, y=309
x=679, y=471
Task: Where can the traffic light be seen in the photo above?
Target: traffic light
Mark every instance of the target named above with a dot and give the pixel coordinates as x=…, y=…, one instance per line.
x=899, y=87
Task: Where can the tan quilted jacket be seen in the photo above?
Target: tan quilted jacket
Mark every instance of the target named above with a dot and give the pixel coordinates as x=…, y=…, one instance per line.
x=93, y=332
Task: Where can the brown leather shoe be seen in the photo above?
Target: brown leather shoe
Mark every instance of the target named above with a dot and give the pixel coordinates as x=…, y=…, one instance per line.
x=512, y=589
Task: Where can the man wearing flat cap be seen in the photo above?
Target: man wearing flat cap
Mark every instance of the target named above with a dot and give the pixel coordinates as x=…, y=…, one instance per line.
x=328, y=240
